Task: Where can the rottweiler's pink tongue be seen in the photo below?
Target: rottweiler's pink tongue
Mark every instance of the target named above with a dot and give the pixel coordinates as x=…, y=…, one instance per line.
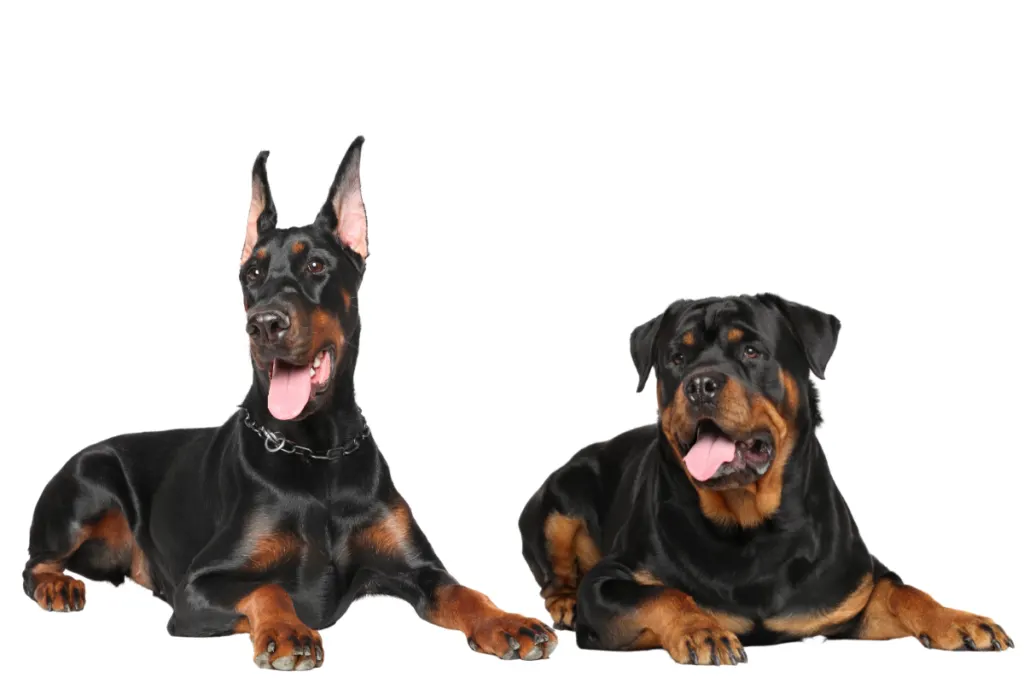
x=289, y=390
x=708, y=454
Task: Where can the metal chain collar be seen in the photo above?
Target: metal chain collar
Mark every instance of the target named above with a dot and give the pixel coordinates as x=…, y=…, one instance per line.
x=276, y=443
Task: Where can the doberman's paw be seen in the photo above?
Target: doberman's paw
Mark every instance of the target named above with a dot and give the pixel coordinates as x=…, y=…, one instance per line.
x=951, y=629
x=510, y=636
x=711, y=645
x=59, y=593
x=287, y=647
x=562, y=607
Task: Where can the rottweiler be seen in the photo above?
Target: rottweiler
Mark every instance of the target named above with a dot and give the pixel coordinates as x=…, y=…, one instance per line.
x=720, y=526
x=275, y=522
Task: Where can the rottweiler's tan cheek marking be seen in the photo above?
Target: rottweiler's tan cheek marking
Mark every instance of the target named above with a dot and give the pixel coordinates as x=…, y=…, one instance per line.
x=347, y=299
x=675, y=421
x=749, y=506
x=734, y=335
x=818, y=622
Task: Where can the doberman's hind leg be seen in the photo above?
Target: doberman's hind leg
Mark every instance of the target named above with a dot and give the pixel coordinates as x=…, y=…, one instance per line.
x=80, y=525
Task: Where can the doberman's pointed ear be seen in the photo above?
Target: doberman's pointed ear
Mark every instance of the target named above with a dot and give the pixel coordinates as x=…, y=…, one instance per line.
x=817, y=332
x=641, y=347
x=262, y=214
x=344, y=212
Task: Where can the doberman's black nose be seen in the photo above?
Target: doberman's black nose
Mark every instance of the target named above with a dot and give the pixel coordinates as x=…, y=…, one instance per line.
x=704, y=387
x=268, y=326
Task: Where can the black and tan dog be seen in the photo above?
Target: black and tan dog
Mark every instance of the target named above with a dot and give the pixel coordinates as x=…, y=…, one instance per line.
x=275, y=522
x=721, y=526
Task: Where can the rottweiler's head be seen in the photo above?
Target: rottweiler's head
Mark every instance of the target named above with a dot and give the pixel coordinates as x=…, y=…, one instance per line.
x=734, y=387
x=300, y=287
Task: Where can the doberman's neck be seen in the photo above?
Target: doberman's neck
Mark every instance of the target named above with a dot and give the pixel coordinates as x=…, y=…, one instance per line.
x=333, y=425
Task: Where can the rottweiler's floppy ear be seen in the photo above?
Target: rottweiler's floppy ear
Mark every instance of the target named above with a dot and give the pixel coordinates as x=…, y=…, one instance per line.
x=818, y=332
x=344, y=212
x=262, y=214
x=641, y=347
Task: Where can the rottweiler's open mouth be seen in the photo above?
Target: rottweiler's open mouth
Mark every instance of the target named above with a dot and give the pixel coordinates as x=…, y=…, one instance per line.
x=718, y=460
x=293, y=386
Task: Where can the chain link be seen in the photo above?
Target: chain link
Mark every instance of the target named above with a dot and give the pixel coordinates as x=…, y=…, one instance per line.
x=276, y=443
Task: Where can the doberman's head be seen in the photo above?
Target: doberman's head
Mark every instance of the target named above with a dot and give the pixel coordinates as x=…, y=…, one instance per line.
x=300, y=287
x=734, y=391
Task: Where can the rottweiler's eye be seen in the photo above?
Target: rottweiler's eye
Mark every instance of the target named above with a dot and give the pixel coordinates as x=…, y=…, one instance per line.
x=677, y=359
x=315, y=266
x=253, y=273
x=751, y=353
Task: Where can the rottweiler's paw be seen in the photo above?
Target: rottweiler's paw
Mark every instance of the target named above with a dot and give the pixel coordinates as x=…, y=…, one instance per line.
x=59, y=593
x=287, y=647
x=562, y=607
x=950, y=629
x=706, y=646
x=510, y=636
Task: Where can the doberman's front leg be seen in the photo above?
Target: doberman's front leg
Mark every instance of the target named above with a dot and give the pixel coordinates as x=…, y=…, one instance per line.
x=234, y=588
x=895, y=610
x=396, y=551
x=280, y=639
x=616, y=611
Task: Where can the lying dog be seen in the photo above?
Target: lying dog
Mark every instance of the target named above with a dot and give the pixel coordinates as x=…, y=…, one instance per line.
x=274, y=523
x=721, y=525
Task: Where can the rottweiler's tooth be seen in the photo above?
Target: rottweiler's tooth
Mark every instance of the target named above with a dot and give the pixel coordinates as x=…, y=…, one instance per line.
x=316, y=362
x=312, y=372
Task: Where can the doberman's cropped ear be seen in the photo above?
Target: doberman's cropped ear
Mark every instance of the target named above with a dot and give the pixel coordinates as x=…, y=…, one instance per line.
x=262, y=214
x=641, y=347
x=344, y=212
x=817, y=332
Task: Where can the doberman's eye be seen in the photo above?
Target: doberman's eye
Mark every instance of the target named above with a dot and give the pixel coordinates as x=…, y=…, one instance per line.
x=677, y=359
x=315, y=266
x=751, y=353
x=253, y=273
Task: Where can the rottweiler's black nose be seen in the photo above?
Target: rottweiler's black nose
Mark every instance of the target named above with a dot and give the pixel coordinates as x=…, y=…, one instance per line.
x=704, y=387
x=268, y=326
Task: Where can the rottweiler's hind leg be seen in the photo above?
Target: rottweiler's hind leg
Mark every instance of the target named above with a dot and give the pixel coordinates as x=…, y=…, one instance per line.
x=80, y=525
x=560, y=550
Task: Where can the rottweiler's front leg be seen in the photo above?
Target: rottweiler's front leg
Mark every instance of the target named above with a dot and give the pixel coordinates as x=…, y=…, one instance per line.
x=403, y=564
x=896, y=610
x=618, y=612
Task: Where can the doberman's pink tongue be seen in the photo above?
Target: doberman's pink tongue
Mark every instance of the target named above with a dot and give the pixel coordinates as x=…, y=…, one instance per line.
x=289, y=390
x=708, y=454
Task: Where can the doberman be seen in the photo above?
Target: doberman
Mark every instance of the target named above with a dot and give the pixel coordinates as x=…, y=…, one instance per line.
x=275, y=522
x=721, y=526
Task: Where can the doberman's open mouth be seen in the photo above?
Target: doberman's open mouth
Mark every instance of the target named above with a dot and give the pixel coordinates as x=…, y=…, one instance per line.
x=718, y=460
x=293, y=386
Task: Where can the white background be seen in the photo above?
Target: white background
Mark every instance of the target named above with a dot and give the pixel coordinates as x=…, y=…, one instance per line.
x=539, y=180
